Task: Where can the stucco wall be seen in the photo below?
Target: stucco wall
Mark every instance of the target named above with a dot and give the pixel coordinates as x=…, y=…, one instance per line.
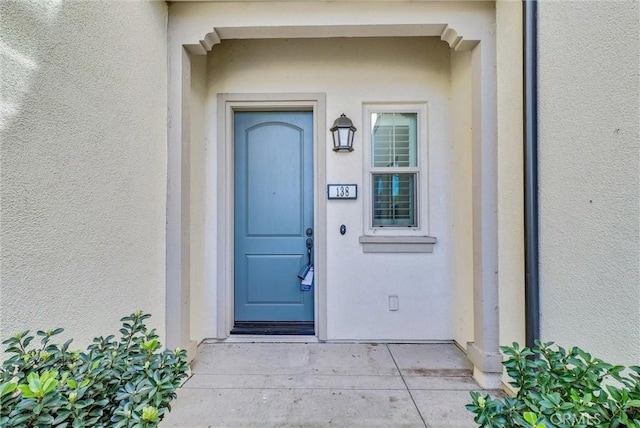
x=589, y=151
x=198, y=185
x=350, y=72
x=83, y=192
x=461, y=198
x=510, y=171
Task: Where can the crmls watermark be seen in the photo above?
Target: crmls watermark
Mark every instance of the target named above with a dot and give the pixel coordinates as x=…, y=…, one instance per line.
x=575, y=419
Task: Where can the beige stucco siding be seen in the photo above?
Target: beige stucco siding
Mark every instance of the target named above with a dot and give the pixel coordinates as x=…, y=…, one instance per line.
x=83, y=191
x=510, y=171
x=589, y=191
x=461, y=198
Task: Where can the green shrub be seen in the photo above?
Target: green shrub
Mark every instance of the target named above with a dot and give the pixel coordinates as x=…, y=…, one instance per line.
x=115, y=383
x=560, y=388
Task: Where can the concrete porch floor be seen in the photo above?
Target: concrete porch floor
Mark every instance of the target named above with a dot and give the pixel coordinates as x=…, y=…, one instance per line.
x=325, y=384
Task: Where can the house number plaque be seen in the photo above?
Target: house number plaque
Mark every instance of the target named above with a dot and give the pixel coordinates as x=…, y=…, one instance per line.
x=342, y=191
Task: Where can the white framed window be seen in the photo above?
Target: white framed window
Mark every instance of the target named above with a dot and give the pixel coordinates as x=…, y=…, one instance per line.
x=395, y=183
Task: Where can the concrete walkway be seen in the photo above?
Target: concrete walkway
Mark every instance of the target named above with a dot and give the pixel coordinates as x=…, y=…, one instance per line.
x=325, y=384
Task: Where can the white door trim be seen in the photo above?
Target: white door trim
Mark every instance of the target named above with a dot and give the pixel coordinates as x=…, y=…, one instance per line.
x=227, y=104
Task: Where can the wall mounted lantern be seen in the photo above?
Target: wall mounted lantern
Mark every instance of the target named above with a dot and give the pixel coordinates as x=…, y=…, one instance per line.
x=343, y=131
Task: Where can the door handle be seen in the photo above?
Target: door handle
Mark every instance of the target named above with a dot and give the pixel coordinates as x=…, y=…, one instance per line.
x=305, y=269
x=309, y=246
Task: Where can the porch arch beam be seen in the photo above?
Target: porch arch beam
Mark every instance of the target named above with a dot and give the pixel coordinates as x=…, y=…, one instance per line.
x=446, y=33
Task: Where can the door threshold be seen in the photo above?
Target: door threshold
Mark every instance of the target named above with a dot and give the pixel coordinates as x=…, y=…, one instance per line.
x=248, y=338
x=271, y=328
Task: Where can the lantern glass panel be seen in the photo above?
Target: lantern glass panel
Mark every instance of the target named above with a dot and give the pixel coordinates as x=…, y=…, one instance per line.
x=343, y=137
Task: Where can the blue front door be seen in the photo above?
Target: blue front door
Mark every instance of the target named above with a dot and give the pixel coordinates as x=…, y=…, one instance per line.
x=273, y=215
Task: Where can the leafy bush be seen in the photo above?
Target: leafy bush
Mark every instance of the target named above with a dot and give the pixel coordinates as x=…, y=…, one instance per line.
x=561, y=388
x=115, y=383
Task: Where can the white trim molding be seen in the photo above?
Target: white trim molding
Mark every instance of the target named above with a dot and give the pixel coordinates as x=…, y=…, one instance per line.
x=420, y=169
x=227, y=105
x=398, y=244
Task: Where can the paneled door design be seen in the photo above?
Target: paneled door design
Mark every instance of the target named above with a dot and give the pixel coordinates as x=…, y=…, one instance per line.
x=273, y=220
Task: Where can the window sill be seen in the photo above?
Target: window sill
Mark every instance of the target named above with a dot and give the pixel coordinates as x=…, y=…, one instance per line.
x=398, y=244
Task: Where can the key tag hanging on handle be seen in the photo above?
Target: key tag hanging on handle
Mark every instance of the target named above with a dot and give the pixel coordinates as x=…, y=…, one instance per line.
x=306, y=273
x=303, y=271
x=307, y=282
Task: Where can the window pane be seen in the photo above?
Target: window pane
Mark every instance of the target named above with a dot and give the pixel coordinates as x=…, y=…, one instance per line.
x=394, y=139
x=394, y=200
